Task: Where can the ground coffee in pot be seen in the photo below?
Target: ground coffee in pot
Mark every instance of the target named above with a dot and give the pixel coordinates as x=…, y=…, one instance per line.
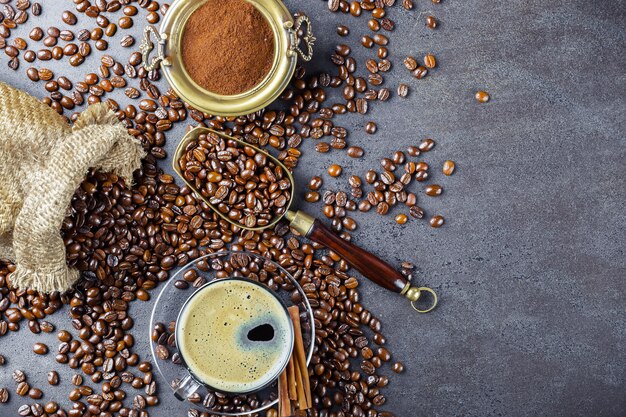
x=227, y=46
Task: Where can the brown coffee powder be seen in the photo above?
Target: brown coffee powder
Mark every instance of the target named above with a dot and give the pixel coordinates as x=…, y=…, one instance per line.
x=227, y=46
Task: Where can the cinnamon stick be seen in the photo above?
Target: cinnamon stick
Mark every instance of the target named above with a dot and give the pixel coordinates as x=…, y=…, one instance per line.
x=284, y=404
x=291, y=379
x=300, y=395
x=300, y=356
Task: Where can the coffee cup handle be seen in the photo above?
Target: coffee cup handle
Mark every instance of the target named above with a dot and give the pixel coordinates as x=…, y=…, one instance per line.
x=186, y=387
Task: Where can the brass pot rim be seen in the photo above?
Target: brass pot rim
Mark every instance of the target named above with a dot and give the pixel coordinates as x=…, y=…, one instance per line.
x=169, y=36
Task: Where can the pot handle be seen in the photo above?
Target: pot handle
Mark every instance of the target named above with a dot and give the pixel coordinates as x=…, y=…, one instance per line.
x=372, y=267
x=307, y=38
x=147, y=46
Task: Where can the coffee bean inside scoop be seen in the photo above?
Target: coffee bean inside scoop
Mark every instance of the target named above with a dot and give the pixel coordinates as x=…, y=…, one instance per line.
x=241, y=182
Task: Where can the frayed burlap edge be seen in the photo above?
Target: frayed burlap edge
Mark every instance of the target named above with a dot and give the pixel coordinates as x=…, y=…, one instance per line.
x=39, y=185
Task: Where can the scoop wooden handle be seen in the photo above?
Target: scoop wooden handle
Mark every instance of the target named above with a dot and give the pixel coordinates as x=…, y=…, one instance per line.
x=372, y=267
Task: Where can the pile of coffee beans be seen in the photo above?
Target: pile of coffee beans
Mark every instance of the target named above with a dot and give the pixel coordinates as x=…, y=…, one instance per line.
x=239, y=180
x=126, y=240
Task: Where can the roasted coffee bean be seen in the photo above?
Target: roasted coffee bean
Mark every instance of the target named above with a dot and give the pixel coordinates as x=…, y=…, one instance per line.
x=51, y=407
x=24, y=410
x=4, y=395
x=36, y=34
x=35, y=393
x=53, y=378
x=11, y=51
x=403, y=90
x=311, y=196
x=77, y=380
x=382, y=208
x=371, y=128
x=448, y=167
x=30, y=56
x=20, y=43
x=431, y=22
x=335, y=170
x=420, y=72
x=373, y=25
x=436, y=221
x=355, y=151
x=482, y=96
x=18, y=376
x=413, y=151
x=426, y=145
x=76, y=60
x=33, y=74
x=410, y=63
x=315, y=183
x=387, y=24
x=66, y=35
x=127, y=41
x=355, y=8
x=421, y=176
x=40, y=348
x=22, y=389
x=343, y=30
x=125, y=22
x=429, y=61
x=69, y=18
x=64, y=336
x=401, y=218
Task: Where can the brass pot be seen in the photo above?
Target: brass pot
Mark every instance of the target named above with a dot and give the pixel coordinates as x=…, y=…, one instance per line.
x=286, y=52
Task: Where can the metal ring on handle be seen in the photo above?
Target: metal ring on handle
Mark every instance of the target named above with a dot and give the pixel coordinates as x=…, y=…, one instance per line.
x=433, y=305
x=147, y=46
x=308, y=38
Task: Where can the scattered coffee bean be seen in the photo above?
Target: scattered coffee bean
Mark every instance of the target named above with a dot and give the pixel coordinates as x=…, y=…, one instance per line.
x=420, y=72
x=53, y=378
x=315, y=183
x=433, y=190
x=449, y=167
x=4, y=395
x=429, y=61
x=410, y=63
x=436, y=221
x=482, y=96
x=401, y=218
x=355, y=152
x=398, y=367
x=40, y=348
x=431, y=22
x=403, y=90
x=69, y=18
x=426, y=145
x=19, y=376
x=335, y=170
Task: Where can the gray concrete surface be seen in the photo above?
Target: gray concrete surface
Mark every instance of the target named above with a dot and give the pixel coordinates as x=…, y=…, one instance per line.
x=530, y=264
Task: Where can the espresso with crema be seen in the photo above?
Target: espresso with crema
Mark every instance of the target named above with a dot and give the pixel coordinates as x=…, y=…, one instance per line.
x=234, y=335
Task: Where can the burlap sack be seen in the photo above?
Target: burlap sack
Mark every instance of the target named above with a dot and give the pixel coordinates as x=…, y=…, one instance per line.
x=42, y=162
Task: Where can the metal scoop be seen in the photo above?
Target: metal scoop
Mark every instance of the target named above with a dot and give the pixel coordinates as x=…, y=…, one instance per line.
x=369, y=265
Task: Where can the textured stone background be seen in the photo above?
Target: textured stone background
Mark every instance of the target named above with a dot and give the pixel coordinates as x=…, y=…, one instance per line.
x=530, y=264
